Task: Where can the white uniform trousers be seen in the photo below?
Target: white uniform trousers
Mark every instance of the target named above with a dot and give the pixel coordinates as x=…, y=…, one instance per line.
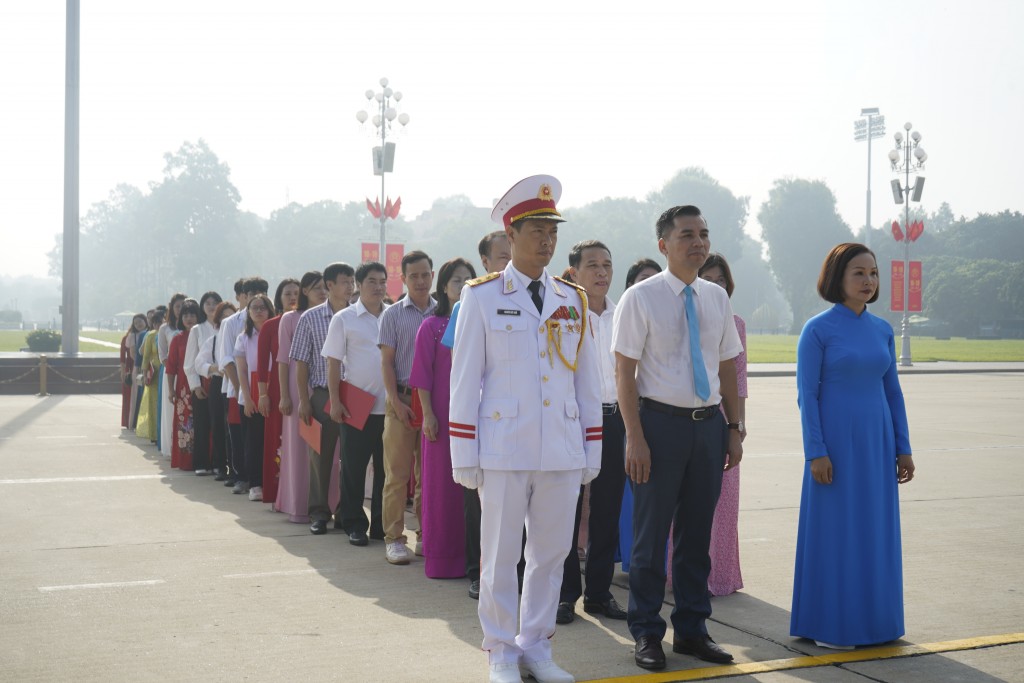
x=546, y=501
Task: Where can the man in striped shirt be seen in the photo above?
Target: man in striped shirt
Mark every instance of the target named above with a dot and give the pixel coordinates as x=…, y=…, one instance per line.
x=311, y=377
x=397, y=340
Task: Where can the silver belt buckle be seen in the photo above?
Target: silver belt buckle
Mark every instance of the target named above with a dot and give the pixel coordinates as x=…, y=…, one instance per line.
x=694, y=417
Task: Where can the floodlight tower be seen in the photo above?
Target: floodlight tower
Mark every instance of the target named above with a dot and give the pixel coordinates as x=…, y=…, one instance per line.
x=866, y=129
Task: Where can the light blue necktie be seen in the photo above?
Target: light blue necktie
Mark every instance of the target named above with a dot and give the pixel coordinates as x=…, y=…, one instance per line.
x=700, y=373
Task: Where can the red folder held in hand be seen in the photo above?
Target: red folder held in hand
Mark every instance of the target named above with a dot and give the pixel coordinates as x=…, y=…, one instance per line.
x=359, y=403
x=310, y=433
x=417, y=410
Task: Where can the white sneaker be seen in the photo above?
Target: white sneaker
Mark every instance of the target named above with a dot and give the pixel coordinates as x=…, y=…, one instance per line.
x=256, y=493
x=419, y=549
x=505, y=673
x=396, y=553
x=545, y=672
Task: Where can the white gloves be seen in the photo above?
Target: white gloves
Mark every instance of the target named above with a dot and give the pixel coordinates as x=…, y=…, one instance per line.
x=470, y=477
x=590, y=474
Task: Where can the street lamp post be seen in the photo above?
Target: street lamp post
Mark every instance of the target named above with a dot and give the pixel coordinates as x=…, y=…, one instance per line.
x=866, y=130
x=907, y=157
x=386, y=109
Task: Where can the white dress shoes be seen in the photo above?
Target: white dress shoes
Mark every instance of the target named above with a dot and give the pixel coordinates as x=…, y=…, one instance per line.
x=507, y=672
x=545, y=672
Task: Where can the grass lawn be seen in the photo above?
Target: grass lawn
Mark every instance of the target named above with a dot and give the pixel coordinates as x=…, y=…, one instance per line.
x=14, y=340
x=779, y=348
x=761, y=348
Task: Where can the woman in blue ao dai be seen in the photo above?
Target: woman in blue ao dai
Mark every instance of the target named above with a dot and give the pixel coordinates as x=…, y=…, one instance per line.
x=848, y=583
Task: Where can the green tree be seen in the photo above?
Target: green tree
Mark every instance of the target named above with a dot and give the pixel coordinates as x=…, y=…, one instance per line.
x=997, y=236
x=970, y=293
x=196, y=235
x=800, y=225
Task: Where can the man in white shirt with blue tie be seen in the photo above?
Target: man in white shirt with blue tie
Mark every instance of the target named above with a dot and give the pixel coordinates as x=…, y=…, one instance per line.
x=674, y=340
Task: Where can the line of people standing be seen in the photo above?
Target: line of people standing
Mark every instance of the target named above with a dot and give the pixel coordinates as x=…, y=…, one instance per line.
x=263, y=396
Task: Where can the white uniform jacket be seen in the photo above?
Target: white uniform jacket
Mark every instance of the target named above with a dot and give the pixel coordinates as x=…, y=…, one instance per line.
x=516, y=403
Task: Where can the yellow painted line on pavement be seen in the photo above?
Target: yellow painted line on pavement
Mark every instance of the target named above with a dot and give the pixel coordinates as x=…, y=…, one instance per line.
x=811, y=661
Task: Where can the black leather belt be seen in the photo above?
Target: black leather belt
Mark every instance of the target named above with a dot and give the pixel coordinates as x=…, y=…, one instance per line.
x=609, y=408
x=403, y=390
x=692, y=413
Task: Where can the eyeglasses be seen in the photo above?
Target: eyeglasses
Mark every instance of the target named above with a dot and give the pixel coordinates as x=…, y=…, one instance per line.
x=259, y=307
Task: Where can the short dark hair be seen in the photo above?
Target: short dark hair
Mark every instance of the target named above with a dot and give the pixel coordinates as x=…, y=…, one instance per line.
x=189, y=305
x=250, y=326
x=255, y=285
x=278, y=304
x=221, y=311
x=202, y=303
x=368, y=267
x=484, y=247
x=156, y=318
x=239, y=285
x=172, y=320
x=444, y=305
x=666, y=221
x=716, y=260
x=830, y=281
x=337, y=268
x=308, y=280
x=638, y=266
x=576, y=253
x=413, y=257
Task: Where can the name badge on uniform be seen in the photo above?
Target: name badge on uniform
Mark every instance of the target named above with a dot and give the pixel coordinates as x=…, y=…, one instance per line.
x=509, y=311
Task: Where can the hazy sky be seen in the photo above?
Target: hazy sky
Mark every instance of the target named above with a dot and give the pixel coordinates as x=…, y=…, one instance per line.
x=612, y=102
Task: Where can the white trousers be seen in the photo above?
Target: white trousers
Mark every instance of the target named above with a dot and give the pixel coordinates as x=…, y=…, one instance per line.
x=546, y=502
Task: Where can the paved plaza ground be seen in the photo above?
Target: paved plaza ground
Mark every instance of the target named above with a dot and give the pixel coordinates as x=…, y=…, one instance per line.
x=117, y=568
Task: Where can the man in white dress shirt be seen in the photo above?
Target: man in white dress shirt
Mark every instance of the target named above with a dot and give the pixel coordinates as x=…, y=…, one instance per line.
x=525, y=428
x=351, y=345
x=674, y=340
x=590, y=264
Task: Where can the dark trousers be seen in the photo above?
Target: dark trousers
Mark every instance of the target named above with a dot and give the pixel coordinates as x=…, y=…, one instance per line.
x=201, y=431
x=236, y=437
x=687, y=457
x=471, y=515
x=603, y=526
x=320, y=463
x=253, y=428
x=218, y=416
x=362, y=446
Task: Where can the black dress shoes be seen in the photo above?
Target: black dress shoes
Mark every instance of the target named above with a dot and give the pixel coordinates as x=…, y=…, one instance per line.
x=648, y=653
x=701, y=648
x=358, y=538
x=566, y=613
x=610, y=608
x=474, y=589
x=318, y=527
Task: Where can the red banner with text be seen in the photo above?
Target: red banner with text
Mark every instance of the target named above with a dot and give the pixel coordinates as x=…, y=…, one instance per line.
x=395, y=252
x=896, y=289
x=914, y=299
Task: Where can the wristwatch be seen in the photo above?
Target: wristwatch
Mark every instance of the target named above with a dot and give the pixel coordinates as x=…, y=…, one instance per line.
x=736, y=425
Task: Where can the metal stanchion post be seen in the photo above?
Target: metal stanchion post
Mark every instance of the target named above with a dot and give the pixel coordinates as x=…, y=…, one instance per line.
x=42, y=376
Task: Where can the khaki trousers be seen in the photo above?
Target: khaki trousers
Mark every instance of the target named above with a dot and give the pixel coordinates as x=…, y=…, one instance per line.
x=401, y=454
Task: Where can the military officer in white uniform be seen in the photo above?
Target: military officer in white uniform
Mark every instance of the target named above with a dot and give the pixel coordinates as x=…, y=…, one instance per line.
x=526, y=426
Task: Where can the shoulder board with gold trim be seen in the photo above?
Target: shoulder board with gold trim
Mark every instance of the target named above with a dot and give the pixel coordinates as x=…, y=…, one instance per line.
x=482, y=279
x=567, y=282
